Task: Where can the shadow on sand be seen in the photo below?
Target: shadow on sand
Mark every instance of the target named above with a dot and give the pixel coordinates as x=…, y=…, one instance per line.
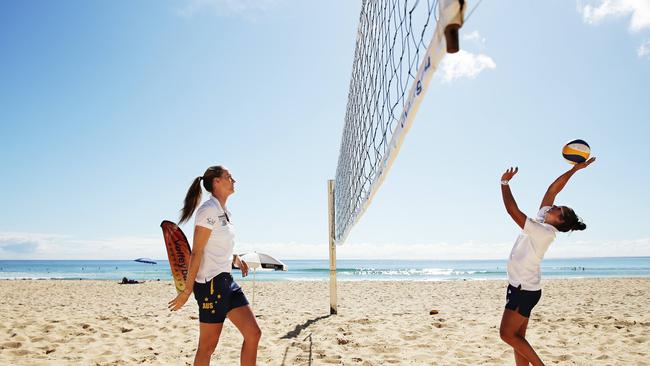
x=300, y=327
x=294, y=333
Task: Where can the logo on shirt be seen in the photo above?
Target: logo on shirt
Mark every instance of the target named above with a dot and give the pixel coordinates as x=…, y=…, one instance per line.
x=210, y=220
x=223, y=219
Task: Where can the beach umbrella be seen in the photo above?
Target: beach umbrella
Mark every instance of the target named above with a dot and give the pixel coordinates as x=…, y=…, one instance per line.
x=145, y=260
x=261, y=260
x=257, y=260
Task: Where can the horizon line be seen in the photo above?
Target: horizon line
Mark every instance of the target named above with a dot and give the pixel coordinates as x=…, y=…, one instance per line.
x=324, y=259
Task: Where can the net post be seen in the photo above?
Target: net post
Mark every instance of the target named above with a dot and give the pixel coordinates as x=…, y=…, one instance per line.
x=332, y=246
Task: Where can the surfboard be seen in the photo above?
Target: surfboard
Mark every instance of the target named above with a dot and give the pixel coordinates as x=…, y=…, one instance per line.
x=178, y=253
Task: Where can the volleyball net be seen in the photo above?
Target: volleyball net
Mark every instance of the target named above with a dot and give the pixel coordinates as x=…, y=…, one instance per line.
x=399, y=46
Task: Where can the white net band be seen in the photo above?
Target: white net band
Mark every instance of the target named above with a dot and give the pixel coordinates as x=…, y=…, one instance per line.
x=380, y=112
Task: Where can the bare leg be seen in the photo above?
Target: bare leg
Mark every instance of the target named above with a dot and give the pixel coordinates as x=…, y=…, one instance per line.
x=208, y=339
x=243, y=318
x=519, y=359
x=511, y=322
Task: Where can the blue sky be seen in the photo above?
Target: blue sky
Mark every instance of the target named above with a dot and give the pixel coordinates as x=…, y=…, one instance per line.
x=108, y=110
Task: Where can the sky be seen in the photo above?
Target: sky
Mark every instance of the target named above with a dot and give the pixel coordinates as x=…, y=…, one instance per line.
x=108, y=111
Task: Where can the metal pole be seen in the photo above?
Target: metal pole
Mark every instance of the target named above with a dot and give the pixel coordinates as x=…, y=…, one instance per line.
x=332, y=244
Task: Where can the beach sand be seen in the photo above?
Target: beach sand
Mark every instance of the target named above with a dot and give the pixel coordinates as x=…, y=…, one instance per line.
x=577, y=322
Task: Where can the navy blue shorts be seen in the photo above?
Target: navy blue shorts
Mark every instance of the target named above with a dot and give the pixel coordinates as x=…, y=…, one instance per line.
x=521, y=300
x=217, y=297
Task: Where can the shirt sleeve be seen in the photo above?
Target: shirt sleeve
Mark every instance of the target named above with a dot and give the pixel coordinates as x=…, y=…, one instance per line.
x=542, y=212
x=541, y=236
x=206, y=217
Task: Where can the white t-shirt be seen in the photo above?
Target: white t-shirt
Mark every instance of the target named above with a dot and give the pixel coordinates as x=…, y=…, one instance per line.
x=217, y=255
x=528, y=252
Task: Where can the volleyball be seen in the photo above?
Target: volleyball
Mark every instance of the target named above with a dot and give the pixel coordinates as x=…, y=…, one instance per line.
x=576, y=151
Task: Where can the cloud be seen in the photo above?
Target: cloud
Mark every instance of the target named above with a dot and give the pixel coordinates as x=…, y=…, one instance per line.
x=440, y=250
x=565, y=248
x=639, y=10
x=475, y=37
x=644, y=50
x=464, y=64
x=19, y=244
x=288, y=250
x=246, y=8
x=562, y=248
x=51, y=246
x=54, y=246
x=468, y=250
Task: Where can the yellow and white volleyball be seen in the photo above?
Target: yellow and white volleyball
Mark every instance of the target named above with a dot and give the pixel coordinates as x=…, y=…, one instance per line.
x=576, y=151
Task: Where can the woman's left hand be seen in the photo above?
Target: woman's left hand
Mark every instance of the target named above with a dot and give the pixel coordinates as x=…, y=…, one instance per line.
x=178, y=301
x=242, y=265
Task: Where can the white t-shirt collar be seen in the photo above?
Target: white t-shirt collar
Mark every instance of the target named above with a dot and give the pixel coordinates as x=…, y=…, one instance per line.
x=541, y=217
x=216, y=202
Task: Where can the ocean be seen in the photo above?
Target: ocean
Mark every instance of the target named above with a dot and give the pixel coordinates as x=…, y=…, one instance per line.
x=348, y=270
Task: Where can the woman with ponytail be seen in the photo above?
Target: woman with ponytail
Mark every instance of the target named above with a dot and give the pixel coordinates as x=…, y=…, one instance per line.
x=524, y=276
x=216, y=293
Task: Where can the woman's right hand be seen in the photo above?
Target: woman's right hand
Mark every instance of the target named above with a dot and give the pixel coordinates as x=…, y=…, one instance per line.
x=509, y=173
x=584, y=164
x=179, y=301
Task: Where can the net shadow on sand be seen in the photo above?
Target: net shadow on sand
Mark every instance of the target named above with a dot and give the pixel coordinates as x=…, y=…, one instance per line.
x=300, y=327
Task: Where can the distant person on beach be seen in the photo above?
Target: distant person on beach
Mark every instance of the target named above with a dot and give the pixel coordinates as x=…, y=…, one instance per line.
x=126, y=281
x=217, y=294
x=524, y=276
